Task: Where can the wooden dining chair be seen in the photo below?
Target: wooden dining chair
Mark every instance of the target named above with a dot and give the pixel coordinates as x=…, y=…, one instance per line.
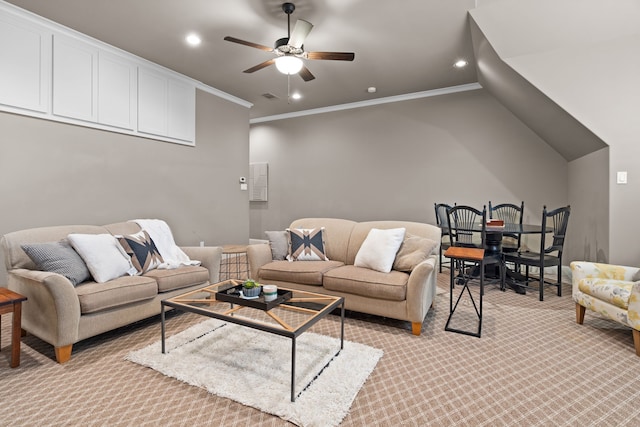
x=549, y=255
x=441, y=221
x=509, y=213
x=469, y=227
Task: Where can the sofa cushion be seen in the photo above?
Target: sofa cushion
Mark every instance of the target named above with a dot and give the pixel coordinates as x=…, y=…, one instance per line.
x=305, y=273
x=142, y=250
x=95, y=296
x=378, y=251
x=278, y=244
x=413, y=251
x=306, y=244
x=616, y=292
x=176, y=278
x=105, y=258
x=369, y=283
x=58, y=257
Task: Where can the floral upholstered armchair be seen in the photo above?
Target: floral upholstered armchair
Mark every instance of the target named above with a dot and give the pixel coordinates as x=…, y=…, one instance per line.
x=611, y=290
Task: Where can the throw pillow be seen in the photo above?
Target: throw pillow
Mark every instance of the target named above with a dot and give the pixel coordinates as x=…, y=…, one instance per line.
x=636, y=277
x=58, y=257
x=412, y=252
x=378, y=251
x=306, y=244
x=103, y=255
x=278, y=243
x=142, y=250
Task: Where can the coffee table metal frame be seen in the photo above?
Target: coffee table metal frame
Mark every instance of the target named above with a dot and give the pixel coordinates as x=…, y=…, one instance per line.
x=187, y=302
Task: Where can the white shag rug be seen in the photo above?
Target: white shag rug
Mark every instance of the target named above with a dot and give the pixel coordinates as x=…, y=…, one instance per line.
x=254, y=368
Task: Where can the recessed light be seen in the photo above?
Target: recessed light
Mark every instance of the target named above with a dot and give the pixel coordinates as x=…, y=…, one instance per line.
x=193, y=39
x=372, y=89
x=461, y=63
x=296, y=95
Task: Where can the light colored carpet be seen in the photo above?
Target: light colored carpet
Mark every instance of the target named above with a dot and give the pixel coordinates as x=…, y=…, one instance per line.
x=533, y=366
x=254, y=368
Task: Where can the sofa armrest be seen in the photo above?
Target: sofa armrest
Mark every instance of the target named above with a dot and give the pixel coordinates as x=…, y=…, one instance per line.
x=52, y=309
x=257, y=256
x=209, y=256
x=633, y=312
x=421, y=289
x=585, y=269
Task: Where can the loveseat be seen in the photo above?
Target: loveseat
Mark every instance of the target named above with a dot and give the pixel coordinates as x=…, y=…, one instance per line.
x=62, y=313
x=404, y=295
x=612, y=291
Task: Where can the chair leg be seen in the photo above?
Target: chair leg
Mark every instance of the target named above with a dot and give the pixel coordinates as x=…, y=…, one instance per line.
x=541, y=274
x=580, y=310
x=560, y=279
x=636, y=341
x=440, y=259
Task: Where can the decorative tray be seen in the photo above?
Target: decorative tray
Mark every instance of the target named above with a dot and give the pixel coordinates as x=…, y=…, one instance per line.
x=232, y=294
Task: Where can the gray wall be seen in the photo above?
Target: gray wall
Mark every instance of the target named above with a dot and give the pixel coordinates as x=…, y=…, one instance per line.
x=589, y=199
x=394, y=161
x=53, y=173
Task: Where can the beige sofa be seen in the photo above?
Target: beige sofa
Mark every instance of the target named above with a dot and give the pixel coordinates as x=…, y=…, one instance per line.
x=399, y=295
x=61, y=314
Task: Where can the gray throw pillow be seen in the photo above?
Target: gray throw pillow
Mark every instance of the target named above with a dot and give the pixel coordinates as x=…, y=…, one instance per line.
x=58, y=257
x=278, y=243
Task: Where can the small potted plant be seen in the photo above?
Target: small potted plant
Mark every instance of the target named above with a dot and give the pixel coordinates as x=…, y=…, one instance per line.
x=250, y=288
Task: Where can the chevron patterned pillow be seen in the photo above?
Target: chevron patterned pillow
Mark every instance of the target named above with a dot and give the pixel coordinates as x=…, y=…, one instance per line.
x=306, y=244
x=142, y=250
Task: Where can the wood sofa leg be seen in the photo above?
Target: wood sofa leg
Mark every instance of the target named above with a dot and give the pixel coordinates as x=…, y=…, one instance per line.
x=580, y=314
x=636, y=341
x=63, y=354
x=416, y=328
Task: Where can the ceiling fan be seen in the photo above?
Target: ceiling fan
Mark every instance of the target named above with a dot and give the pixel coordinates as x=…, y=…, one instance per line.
x=289, y=50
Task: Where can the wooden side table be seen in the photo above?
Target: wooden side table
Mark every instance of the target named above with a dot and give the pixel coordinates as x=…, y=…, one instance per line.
x=234, y=263
x=11, y=302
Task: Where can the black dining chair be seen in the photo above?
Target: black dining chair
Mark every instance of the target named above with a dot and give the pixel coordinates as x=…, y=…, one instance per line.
x=469, y=229
x=550, y=255
x=441, y=221
x=512, y=214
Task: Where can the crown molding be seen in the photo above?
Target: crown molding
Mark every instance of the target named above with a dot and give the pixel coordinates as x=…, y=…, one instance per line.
x=368, y=103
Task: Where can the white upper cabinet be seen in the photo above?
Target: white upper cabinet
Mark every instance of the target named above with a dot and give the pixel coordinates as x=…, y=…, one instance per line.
x=116, y=91
x=75, y=78
x=50, y=72
x=166, y=105
x=25, y=49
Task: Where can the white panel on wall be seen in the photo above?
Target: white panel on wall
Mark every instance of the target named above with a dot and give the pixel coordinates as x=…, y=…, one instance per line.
x=74, y=78
x=181, y=112
x=116, y=91
x=152, y=102
x=24, y=70
x=258, y=182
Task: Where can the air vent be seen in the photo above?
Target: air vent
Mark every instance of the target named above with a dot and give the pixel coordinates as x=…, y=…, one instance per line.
x=269, y=96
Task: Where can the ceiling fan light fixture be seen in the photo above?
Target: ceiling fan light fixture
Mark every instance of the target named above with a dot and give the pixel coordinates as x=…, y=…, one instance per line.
x=289, y=64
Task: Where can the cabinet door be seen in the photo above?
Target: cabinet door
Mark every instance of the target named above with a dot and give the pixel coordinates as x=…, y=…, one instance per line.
x=116, y=91
x=181, y=110
x=74, y=79
x=24, y=71
x=152, y=103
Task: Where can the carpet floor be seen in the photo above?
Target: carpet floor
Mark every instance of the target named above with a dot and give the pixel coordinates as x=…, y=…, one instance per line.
x=533, y=366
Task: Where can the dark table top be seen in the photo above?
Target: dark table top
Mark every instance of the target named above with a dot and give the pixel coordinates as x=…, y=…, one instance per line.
x=509, y=228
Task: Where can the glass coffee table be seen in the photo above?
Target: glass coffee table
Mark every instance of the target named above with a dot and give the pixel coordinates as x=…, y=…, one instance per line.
x=289, y=315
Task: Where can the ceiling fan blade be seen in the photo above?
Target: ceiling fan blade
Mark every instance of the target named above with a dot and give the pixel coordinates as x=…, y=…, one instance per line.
x=250, y=44
x=300, y=32
x=260, y=66
x=306, y=74
x=333, y=56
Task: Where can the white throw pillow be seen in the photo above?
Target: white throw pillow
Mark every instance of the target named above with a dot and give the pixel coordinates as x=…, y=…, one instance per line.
x=378, y=251
x=105, y=258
